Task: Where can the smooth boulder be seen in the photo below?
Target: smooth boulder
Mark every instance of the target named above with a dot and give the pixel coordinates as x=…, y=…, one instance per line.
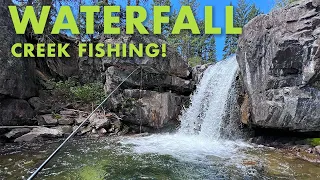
x=279, y=58
x=39, y=133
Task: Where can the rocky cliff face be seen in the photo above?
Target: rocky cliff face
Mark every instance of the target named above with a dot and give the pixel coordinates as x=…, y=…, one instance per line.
x=279, y=58
x=166, y=84
x=17, y=75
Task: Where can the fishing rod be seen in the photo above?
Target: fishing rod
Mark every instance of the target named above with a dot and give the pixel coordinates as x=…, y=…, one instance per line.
x=35, y=173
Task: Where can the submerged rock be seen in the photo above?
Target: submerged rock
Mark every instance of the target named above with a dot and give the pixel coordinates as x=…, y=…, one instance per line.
x=279, y=58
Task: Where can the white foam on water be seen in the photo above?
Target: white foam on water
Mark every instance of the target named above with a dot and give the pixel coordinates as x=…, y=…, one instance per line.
x=199, y=134
x=185, y=147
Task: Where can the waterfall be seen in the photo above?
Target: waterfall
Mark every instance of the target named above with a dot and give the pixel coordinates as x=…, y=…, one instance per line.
x=204, y=116
x=200, y=131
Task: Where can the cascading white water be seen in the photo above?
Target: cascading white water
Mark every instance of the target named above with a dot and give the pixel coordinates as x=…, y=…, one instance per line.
x=198, y=136
x=204, y=116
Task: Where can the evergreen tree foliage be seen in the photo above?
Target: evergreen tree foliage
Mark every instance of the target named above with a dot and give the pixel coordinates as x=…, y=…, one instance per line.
x=196, y=49
x=243, y=13
x=283, y=3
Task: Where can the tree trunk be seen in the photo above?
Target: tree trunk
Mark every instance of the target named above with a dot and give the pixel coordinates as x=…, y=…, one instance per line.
x=47, y=28
x=29, y=3
x=79, y=20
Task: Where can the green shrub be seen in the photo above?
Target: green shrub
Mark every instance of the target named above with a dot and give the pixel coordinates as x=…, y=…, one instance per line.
x=88, y=93
x=62, y=88
x=315, y=141
x=72, y=91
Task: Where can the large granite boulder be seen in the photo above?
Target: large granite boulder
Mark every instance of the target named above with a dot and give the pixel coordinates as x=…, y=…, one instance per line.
x=279, y=58
x=17, y=75
x=154, y=109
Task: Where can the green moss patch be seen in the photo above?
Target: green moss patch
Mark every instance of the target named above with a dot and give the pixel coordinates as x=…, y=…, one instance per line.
x=314, y=141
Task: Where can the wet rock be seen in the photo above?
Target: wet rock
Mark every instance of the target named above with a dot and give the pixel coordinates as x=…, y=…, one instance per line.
x=154, y=109
x=136, y=129
x=279, y=58
x=93, y=131
x=116, y=126
x=85, y=130
x=245, y=114
x=47, y=119
x=38, y=134
x=125, y=130
x=197, y=72
x=15, y=112
x=102, y=131
x=235, y=106
x=15, y=133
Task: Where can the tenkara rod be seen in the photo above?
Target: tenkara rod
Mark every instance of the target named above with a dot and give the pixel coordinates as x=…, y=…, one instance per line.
x=35, y=173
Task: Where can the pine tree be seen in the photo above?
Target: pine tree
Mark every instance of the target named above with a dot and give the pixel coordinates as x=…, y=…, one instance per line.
x=244, y=12
x=230, y=46
x=196, y=49
x=283, y=3
x=211, y=50
x=166, y=28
